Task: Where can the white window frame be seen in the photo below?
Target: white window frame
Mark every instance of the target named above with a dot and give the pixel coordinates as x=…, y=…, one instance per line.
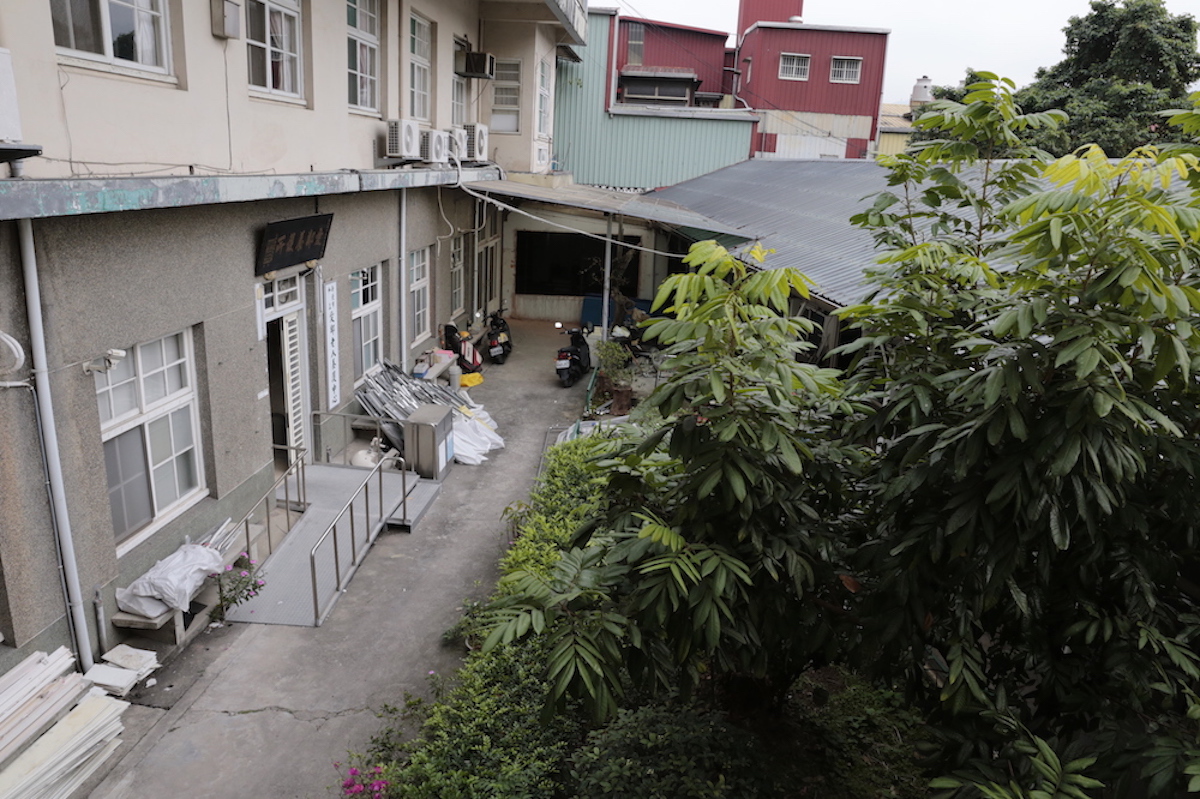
x=543, y=109
x=283, y=48
x=843, y=62
x=418, y=291
x=794, y=66
x=506, y=97
x=635, y=46
x=155, y=16
x=458, y=254
x=154, y=391
x=420, y=67
x=366, y=319
x=362, y=54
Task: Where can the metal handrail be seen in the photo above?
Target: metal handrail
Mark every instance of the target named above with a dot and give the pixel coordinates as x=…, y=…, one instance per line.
x=295, y=467
x=349, y=419
x=365, y=490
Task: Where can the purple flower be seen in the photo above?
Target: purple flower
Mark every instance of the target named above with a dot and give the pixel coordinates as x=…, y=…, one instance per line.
x=353, y=772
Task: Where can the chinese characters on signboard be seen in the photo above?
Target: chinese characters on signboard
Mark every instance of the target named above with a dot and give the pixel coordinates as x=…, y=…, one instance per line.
x=292, y=241
x=331, y=345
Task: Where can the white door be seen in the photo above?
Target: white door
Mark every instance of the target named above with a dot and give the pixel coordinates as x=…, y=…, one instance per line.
x=292, y=342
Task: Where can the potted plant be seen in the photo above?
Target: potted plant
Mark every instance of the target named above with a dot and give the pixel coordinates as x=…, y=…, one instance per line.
x=616, y=375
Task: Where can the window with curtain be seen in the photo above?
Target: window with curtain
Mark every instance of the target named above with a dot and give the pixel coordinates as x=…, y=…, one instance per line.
x=420, y=54
x=362, y=53
x=273, y=45
x=126, y=31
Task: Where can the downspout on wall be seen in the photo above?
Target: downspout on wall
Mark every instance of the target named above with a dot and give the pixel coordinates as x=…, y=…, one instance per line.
x=49, y=435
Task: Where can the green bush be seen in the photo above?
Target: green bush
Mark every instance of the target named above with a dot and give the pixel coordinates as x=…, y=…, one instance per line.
x=668, y=752
x=486, y=739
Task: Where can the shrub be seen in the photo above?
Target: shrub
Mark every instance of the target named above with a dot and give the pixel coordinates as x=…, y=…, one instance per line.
x=668, y=752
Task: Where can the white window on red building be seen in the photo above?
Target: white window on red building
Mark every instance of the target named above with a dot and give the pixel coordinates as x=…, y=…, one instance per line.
x=845, y=70
x=793, y=66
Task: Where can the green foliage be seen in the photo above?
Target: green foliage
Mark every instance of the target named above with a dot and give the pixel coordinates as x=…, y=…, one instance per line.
x=1032, y=370
x=614, y=359
x=718, y=527
x=1123, y=64
x=851, y=739
x=669, y=752
x=486, y=739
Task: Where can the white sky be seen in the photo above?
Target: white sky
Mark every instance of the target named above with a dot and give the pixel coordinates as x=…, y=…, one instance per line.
x=938, y=38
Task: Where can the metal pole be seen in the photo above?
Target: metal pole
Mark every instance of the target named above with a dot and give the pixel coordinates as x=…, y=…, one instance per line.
x=607, y=280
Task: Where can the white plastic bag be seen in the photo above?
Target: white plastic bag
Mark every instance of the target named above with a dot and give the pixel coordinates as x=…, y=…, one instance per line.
x=140, y=605
x=177, y=577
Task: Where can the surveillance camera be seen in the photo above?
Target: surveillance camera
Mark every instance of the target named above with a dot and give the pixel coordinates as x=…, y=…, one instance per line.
x=114, y=355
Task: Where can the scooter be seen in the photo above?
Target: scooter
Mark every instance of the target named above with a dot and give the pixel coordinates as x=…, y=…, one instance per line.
x=574, y=360
x=499, y=337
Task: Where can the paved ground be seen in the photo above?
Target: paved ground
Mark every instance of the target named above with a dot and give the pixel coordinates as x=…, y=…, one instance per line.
x=261, y=710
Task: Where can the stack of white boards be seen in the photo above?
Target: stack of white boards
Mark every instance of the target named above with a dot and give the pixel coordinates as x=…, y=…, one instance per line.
x=56, y=729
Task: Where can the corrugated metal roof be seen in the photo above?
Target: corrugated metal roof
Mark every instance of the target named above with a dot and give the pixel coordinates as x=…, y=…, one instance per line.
x=651, y=207
x=800, y=209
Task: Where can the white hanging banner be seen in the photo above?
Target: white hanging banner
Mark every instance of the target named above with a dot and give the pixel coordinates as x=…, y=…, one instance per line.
x=333, y=371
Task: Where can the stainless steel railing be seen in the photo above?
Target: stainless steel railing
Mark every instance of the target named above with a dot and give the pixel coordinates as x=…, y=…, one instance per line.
x=295, y=470
x=351, y=513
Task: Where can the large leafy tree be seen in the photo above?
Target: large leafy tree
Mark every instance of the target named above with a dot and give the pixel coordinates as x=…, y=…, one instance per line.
x=1032, y=357
x=714, y=551
x=1123, y=63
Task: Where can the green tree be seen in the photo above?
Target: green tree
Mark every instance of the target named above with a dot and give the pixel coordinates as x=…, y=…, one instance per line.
x=1031, y=355
x=715, y=551
x=1123, y=64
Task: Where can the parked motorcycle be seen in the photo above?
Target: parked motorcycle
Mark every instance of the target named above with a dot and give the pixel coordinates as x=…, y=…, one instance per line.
x=575, y=359
x=499, y=337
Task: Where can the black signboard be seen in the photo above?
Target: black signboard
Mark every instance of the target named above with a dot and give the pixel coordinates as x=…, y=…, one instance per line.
x=292, y=241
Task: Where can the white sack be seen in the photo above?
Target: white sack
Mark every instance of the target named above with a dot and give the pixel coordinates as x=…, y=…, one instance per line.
x=472, y=440
x=177, y=577
x=140, y=605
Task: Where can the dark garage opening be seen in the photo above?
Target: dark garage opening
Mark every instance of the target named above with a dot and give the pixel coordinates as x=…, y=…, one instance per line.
x=570, y=264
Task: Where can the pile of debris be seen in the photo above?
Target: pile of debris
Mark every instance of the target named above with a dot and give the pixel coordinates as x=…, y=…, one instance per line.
x=57, y=726
x=393, y=396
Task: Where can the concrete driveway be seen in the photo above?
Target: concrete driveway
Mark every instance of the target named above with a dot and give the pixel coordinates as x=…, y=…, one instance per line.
x=263, y=710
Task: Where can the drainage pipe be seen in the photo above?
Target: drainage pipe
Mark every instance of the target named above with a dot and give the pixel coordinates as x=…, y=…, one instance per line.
x=49, y=432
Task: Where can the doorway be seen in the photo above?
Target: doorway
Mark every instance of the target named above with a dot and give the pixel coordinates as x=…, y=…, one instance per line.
x=286, y=357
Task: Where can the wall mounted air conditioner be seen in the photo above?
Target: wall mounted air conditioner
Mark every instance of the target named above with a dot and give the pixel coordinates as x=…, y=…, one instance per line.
x=403, y=139
x=458, y=142
x=477, y=143
x=435, y=146
x=474, y=65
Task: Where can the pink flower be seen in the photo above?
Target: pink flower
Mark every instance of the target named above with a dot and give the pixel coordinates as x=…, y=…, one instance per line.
x=356, y=789
x=245, y=574
x=349, y=782
x=262, y=582
x=229, y=568
x=253, y=562
x=378, y=785
x=353, y=772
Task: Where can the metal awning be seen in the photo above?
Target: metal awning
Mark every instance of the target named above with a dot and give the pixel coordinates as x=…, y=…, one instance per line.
x=617, y=203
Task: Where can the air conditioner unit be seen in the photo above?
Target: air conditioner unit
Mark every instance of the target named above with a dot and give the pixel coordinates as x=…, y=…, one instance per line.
x=474, y=65
x=458, y=142
x=403, y=139
x=435, y=146
x=477, y=143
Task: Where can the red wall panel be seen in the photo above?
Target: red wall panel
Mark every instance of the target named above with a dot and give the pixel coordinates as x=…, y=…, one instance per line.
x=751, y=11
x=762, y=87
x=680, y=47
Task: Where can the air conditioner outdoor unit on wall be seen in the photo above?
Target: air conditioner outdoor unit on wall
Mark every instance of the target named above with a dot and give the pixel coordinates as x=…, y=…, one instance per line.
x=475, y=65
x=458, y=142
x=477, y=142
x=403, y=139
x=435, y=146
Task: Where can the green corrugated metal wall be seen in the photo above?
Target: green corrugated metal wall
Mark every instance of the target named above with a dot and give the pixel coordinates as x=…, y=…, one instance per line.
x=631, y=152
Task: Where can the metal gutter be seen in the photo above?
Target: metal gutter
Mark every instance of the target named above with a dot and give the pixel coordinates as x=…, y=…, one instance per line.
x=50, y=197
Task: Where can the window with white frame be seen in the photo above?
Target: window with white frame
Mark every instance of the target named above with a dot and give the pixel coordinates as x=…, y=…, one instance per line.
x=279, y=295
x=543, y=110
x=273, y=45
x=420, y=56
x=845, y=70
x=366, y=314
x=458, y=250
x=506, y=98
x=418, y=293
x=458, y=91
x=148, y=421
x=794, y=66
x=635, y=44
x=125, y=31
x=362, y=53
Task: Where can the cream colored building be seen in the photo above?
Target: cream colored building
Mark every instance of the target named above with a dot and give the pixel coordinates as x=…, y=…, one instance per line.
x=239, y=208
